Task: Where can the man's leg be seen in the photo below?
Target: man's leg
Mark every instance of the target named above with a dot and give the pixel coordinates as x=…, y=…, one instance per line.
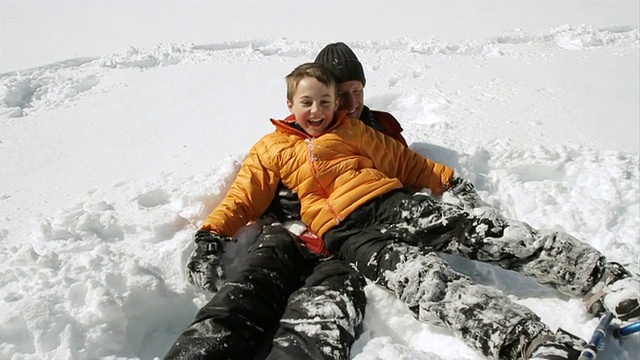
x=483, y=317
x=233, y=324
x=554, y=258
x=550, y=257
x=322, y=317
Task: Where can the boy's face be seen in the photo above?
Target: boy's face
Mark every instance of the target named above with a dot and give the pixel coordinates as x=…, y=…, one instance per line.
x=313, y=105
x=351, y=96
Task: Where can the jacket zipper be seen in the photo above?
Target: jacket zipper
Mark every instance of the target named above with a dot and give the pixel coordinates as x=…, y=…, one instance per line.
x=314, y=172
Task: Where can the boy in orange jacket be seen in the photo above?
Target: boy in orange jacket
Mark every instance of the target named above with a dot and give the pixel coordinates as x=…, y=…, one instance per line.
x=344, y=63
x=329, y=277
x=354, y=197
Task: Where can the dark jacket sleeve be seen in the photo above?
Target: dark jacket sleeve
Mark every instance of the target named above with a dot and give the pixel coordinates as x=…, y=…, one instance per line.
x=391, y=126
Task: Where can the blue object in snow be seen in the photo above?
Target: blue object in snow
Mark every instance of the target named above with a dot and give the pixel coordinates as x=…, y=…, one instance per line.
x=597, y=339
x=627, y=330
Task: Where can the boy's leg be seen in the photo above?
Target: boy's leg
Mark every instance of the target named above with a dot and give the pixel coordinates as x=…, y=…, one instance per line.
x=322, y=317
x=232, y=325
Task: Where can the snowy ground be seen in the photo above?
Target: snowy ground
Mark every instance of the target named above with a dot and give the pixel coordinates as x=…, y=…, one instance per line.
x=111, y=156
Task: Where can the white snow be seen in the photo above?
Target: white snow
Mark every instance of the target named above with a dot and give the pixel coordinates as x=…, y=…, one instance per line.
x=122, y=124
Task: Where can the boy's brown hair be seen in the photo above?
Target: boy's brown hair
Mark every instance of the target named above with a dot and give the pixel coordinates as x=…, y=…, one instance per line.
x=315, y=70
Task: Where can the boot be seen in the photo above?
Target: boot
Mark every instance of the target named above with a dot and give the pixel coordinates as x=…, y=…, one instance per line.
x=617, y=291
x=559, y=346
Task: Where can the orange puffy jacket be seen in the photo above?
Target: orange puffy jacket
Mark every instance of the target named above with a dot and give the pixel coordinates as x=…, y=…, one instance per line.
x=333, y=174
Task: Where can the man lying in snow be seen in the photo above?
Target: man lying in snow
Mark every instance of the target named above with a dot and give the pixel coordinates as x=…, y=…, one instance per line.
x=355, y=200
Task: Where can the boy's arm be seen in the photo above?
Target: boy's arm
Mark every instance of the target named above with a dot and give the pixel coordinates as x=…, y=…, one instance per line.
x=248, y=197
x=395, y=160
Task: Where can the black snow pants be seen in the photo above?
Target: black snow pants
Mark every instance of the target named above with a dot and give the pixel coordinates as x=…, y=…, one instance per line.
x=394, y=241
x=316, y=307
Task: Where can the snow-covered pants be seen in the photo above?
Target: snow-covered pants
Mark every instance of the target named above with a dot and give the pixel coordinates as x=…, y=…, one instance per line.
x=270, y=285
x=393, y=240
x=322, y=317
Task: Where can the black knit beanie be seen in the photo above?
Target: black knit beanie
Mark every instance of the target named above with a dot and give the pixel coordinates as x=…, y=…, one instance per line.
x=342, y=61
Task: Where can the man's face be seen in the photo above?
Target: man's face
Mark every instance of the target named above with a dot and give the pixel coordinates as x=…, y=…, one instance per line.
x=351, y=97
x=313, y=105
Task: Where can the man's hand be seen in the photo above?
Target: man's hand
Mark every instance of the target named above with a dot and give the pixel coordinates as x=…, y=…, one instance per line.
x=285, y=205
x=204, y=267
x=464, y=191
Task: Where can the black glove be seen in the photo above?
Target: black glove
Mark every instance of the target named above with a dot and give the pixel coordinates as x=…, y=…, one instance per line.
x=465, y=191
x=204, y=267
x=285, y=205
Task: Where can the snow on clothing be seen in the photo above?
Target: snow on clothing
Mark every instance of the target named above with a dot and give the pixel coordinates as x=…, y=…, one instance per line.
x=333, y=174
x=317, y=321
x=366, y=217
x=393, y=240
